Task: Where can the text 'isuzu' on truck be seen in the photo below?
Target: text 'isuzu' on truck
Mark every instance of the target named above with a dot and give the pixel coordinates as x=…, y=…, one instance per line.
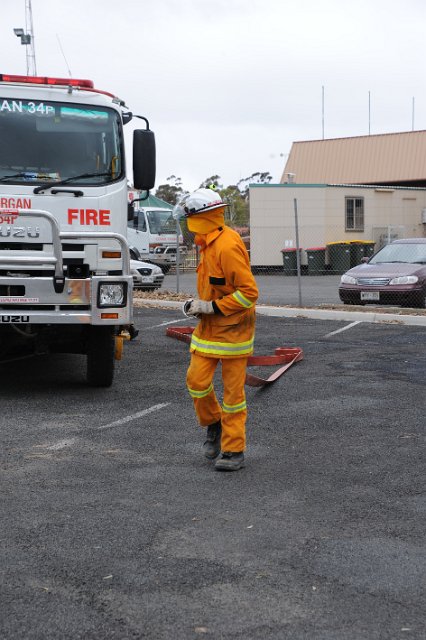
x=65, y=281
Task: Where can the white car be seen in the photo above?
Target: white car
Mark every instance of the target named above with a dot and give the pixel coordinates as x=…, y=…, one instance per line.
x=146, y=276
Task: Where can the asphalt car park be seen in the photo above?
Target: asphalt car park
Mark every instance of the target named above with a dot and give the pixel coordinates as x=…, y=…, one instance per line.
x=115, y=526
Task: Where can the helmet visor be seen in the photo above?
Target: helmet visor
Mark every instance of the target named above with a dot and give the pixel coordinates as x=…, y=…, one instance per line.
x=178, y=211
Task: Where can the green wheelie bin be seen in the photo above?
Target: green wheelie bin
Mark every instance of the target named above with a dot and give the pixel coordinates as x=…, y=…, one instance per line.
x=339, y=254
x=357, y=252
x=290, y=261
x=316, y=261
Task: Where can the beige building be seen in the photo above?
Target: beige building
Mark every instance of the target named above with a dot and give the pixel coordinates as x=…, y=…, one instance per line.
x=368, y=188
x=330, y=213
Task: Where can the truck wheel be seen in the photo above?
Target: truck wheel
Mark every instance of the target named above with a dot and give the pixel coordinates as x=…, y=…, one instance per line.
x=100, y=356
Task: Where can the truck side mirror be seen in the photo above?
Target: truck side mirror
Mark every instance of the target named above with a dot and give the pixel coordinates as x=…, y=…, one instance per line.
x=143, y=159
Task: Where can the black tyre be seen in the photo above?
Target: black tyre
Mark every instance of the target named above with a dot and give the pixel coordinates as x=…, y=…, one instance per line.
x=100, y=356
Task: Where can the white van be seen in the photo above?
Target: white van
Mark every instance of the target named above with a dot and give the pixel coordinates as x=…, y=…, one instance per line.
x=153, y=232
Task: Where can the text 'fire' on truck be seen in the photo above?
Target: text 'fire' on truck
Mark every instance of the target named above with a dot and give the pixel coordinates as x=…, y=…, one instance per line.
x=65, y=281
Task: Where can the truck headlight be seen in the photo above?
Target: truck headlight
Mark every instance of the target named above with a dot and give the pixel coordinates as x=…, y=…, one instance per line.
x=112, y=294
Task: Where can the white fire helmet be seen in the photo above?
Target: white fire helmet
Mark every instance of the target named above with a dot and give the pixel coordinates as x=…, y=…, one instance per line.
x=200, y=201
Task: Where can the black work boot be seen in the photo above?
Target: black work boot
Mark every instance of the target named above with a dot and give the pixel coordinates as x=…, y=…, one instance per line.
x=211, y=447
x=230, y=461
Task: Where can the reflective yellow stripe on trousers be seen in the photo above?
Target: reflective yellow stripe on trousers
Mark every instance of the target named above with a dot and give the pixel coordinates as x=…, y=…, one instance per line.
x=200, y=394
x=222, y=348
x=234, y=408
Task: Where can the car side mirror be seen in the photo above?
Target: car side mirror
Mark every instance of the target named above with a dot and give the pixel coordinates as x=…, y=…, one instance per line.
x=365, y=259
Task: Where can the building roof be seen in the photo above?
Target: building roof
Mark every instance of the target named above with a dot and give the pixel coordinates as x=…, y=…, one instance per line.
x=390, y=158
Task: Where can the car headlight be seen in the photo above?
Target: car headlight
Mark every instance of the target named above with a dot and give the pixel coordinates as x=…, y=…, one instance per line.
x=404, y=280
x=157, y=270
x=347, y=279
x=112, y=294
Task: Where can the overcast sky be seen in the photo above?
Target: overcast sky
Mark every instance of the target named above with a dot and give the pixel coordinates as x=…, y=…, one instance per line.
x=228, y=85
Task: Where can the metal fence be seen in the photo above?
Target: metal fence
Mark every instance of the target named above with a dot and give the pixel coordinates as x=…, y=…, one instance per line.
x=298, y=270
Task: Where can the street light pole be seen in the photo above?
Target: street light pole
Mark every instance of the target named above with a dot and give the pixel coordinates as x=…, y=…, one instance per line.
x=27, y=39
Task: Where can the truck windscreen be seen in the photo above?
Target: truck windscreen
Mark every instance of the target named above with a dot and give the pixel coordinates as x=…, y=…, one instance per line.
x=161, y=221
x=49, y=141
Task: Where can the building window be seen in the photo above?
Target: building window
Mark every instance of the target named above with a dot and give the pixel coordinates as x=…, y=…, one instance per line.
x=354, y=210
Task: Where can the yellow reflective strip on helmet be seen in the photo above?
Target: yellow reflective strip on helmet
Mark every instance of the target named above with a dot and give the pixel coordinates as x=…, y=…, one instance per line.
x=200, y=394
x=234, y=408
x=238, y=296
x=222, y=348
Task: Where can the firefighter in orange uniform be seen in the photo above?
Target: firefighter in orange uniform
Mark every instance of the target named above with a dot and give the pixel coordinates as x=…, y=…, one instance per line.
x=227, y=294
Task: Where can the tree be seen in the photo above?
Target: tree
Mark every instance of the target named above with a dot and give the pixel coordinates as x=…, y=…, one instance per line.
x=258, y=178
x=237, y=214
x=213, y=181
x=172, y=191
x=235, y=195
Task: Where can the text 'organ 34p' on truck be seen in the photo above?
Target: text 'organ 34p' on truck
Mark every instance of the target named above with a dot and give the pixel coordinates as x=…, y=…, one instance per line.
x=65, y=282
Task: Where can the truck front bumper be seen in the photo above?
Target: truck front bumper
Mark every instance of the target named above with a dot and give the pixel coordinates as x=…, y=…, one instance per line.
x=78, y=303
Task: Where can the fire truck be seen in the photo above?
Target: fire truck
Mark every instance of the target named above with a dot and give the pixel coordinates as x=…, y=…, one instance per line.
x=65, y=280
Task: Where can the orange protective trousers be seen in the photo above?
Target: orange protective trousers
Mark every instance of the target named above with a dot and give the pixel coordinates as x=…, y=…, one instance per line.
x=233, y=412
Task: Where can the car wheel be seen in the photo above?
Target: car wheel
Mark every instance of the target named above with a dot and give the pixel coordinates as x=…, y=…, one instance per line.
x=165, y=268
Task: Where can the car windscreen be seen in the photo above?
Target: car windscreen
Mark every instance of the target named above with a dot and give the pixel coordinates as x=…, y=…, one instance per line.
x=161, y=221
x=409, y=252
x=49, y=141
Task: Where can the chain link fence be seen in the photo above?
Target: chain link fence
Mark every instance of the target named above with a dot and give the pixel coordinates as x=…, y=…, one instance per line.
x=298, y=266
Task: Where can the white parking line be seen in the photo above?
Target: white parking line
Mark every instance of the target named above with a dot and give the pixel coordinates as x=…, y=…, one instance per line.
x=348, y=326
x=61, y=444
x=140, y=414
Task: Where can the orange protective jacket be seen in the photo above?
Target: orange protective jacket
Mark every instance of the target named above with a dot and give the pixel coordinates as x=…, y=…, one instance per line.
x=224, y=276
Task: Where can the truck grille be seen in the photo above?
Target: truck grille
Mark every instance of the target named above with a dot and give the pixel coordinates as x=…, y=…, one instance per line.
x=21, y=246
x=13, y=290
